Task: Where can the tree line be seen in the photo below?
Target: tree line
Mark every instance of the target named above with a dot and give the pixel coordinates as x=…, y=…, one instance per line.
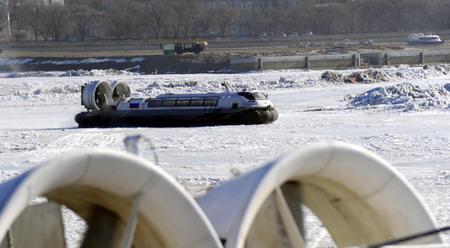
x=179, y=19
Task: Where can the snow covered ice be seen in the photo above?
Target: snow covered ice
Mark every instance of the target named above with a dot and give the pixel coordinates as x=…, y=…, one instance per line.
x=400, y=113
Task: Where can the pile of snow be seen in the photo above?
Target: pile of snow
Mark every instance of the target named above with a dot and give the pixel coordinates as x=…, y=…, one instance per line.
x=108, y=72
x=404, y=72
x=31, y=74
x=368, y=76
x=333, y=76
x=67, y=89
x=405, y=96
x=74, y=73
x=199, y=185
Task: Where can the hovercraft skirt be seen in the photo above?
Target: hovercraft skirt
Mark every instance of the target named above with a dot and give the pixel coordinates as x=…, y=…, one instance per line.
x=146, y=118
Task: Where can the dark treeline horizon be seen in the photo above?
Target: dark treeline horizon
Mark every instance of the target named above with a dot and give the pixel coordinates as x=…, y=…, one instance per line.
x=179, y=19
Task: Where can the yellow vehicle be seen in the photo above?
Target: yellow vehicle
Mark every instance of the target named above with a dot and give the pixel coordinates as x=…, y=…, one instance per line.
x=196, y=47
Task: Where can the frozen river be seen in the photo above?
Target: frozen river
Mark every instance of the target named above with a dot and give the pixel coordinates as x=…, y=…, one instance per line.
x=37, y=124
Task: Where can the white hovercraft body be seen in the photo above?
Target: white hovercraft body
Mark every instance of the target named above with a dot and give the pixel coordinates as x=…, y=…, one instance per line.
x=111, y=106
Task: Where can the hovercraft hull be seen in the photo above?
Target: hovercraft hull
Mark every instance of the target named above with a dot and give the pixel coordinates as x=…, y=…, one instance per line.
x=424, y=43
x=176, y=118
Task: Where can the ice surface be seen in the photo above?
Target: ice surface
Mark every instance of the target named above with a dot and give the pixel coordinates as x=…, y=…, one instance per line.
x=38, y=109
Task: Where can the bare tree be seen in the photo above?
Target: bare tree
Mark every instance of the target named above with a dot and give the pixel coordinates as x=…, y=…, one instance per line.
x=224, y=16
x=53, y=22
x=181, y=16
x=155, y=14
x=44, y=23
x=194, y=12
x=438, y=13
x=322, y=22
x=249, y=16
x=301, y=18
x=184, y=18
x=19, y=23
x=276, y=17
x=32, y=14
x=122, y=20
x=204, y=21
x=82, y=17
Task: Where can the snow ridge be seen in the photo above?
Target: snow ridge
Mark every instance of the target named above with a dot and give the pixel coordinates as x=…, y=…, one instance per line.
x=405, y=96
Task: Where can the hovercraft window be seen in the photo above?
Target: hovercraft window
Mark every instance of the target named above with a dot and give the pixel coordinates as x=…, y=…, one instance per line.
x=211, y=102
x=169, y=103
x=197, y=102
x=259, y=95
x=247, y=95
x=183, y=102
x=154, y=103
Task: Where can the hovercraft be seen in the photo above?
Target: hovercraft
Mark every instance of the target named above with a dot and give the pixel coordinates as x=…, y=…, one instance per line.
x=110, y=105
x=427, y=39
